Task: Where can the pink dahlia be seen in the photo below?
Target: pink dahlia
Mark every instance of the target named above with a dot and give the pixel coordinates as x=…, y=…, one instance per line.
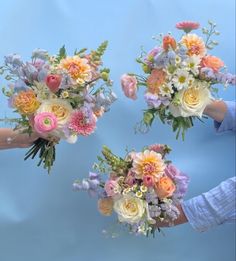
x=82, y=123
x=187, y=26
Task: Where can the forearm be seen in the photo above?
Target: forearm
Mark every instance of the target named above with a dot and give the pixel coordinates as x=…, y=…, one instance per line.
x=14, y=139
x=216, y=110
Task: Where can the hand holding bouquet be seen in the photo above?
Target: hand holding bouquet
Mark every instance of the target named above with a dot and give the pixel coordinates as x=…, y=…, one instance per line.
x=141, y=188
x=179, y=78
x=56, y=96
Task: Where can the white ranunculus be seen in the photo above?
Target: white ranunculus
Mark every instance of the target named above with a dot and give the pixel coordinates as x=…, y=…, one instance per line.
x=129, y=208
x=192, y=101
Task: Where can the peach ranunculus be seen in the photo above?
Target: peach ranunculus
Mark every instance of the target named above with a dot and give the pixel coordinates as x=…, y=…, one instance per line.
x=105, y=206
x=212, y=62
x=165, y=187
x=194, y=44
x=129, y=86
x=26, y=102
x=169, y=42
x=155, y=80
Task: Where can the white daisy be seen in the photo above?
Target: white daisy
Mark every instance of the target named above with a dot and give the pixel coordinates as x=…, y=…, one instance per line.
x=166, y=90
x=193, y=63
x=182, y=79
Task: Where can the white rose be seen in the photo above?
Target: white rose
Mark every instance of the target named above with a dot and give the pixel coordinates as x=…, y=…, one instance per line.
x=60, y=108
x=192, y=101
x=129, y=208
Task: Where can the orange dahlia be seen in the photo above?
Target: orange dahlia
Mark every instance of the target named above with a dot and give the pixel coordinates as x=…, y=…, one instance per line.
x=148, y=163
x=194, y=44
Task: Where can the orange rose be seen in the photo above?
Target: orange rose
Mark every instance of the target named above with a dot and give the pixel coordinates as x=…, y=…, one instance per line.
x=169, y=42
x=105, y=206
x=155, y=80
x=26, y=102
x=212, y=62
x=165, y=187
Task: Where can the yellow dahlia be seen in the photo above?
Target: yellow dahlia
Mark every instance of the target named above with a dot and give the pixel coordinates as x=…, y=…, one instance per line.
x=78, y=68
x=148, y=163
x=194, y=44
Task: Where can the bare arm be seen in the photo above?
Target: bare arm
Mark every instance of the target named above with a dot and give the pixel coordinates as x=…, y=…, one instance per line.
x=216, y=110
x=14, y=139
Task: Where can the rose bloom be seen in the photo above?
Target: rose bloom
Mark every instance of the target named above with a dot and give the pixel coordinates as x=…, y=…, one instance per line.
x=155, y=80
x=193, y=100
x=112, y=188
x=60, y=108
x=130, y=209
x=169, y=42
x=130, y=178
x=165, y=187
x=148, y=163
x=187, y=26
x=148, y=181
x=26, y=102
x=53, y=82
x=212, y=62
x=194, y=44
x=105, y=206
x=45, y=122
x=129, y=86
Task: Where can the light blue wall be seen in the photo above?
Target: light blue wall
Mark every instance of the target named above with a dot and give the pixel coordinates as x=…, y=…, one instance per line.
x=41, y=218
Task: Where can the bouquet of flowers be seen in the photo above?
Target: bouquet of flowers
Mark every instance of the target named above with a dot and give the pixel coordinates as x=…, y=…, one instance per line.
x=142, y=188
x=179, y=78
x=56, y=96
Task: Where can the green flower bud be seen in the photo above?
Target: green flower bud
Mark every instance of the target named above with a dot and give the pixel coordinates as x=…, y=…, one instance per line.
x=105, y=76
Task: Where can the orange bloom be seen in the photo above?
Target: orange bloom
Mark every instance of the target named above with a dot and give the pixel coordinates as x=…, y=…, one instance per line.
x=26, y=102
x=77, y=67
x=99, y=112
x=169, y=42
x=194, y=44
x=155, y=80
x=212, y=62
x=105, y=206
x=165, y=187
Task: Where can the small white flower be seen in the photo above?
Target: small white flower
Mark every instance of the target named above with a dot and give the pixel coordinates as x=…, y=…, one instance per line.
x=181, y=79
x=166, y=89
x=192, y=64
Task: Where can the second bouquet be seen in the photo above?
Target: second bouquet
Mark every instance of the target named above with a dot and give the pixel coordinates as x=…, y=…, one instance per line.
x=57, y=96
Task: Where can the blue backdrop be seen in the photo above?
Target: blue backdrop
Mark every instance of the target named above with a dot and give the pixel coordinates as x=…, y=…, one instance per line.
x=41, y=218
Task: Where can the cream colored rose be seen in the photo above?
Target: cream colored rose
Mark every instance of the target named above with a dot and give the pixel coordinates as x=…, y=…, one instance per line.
x=129, y=209
x=60, y=108
x=191, y=101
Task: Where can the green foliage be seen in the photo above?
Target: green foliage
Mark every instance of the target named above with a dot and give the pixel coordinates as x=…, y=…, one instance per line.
x=61, y=55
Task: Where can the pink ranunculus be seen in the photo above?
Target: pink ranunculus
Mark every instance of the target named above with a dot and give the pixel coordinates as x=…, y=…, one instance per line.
x=53, y=82
x=187, y=26
x=112, y=188
x=148, y=181
x=129, y=86
x=45, y=122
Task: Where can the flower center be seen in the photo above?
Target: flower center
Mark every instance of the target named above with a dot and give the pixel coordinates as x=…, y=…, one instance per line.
x=182, y=79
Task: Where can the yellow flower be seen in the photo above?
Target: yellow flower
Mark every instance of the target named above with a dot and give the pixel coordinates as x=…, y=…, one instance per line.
x=26, y=102
x=194, y=44
x=65, y=94
x=60, y=108
x=143, y=188
x=148, y=163
x=130, y=209
x=78, y=68
x=139, y=194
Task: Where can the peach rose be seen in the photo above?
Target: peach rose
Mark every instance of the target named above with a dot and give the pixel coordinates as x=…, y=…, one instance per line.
x=165, y=187
x=169, y=42
x=26, y=102
x=105, y=206
x=155, y=80
x=212, y=62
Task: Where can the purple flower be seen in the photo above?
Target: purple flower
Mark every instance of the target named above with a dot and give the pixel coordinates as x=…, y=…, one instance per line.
x=40, y=54
x=154, y=101
x=149, y=59
x=13, y=60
